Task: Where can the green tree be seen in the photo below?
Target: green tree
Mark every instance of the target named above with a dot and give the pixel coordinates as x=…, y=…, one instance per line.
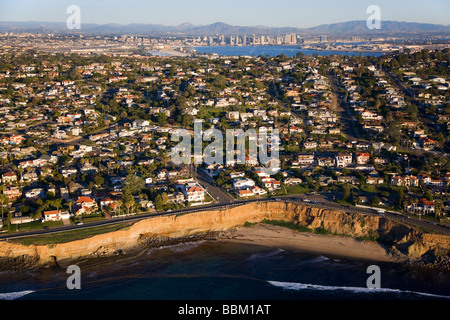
x=375, y=200
x=159, y=202
x=428, y=195
x=3, y=202
x=9, y=217
x=346, y=192
x=401, y=195
x=128, y=200
x=99, y=180
x=133, y=184
x=161, y=119
x=37, y=214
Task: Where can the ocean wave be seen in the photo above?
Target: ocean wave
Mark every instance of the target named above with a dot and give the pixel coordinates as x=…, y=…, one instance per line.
x=314, y=261
x=178, y=247
x=261, y=255
x=186, y=246
x=306, y=286
x=14, y=295
x=318, y=259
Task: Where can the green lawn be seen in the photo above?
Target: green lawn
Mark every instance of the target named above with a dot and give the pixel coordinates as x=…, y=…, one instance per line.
x=67, y=236
x=294, y=189
x=369, y=188
x=33, y=225
x=92, y=217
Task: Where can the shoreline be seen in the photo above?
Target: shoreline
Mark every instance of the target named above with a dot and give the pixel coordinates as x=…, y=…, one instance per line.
x=333, y=245
x=245, y=224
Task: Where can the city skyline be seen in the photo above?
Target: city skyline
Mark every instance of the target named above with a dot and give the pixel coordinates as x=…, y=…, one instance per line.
x=285, y=13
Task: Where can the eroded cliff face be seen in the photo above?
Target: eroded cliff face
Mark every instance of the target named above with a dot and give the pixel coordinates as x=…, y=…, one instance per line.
x=402, y=238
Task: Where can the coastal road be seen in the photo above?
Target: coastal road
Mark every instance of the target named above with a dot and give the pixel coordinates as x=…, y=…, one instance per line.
x=205, y=180
x=316, y=200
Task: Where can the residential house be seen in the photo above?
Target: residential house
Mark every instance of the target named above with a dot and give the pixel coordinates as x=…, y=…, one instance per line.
x=362, y=157
x=343, y=159
x=30, y=176
x=35, y=193
x=9, y=177
x=257, y=190
x=251, y=161
x=245, y=193
x=271, y=183
x=374, y=180
x=310, y=145
x=423, y=206
x=405, y=181
x=305, y=159
x=243, y=183
x=67, y=172
x=234, y=175
x=437, y=183
x=292, y=181
x=12, y=193
x=427, y=143
x=325, y=161
x=55, y=215
x=346, y=179
x=194, y=194
x=85, y=204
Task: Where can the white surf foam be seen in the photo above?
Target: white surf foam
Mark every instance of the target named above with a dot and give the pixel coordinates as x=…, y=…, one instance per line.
x=14, y=295
x=306, y=286
x=261, y=255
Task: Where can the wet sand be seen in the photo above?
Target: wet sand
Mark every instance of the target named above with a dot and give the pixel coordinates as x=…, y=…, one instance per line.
x=339, y=246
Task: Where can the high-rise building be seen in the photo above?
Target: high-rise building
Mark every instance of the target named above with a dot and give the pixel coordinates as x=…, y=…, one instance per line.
x=323, y=38
x=290, y=39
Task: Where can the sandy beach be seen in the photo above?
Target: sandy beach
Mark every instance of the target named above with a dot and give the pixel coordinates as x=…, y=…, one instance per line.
x=284, y=238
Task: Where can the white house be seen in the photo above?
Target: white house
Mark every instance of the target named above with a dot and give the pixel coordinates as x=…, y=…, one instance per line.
x=194, y=194
x=343, y=159
x=243, y=183
x=55, y=215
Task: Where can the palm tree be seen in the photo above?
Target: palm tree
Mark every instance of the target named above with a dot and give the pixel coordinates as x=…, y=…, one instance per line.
x=438, y=205
x=4, y=201
x=9, y=218
x=70, y=204
x=405, y=203
x=118, y=205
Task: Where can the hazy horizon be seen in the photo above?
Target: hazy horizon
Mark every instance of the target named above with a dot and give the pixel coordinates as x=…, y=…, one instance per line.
x=283, y=13
x=201, y=25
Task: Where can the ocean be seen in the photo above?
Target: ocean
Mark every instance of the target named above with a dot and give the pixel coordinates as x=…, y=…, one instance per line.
x=275, y=50
x=217, y=270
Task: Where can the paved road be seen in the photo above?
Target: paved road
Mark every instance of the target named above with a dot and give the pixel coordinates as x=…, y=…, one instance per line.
x=206, y=181
x=318, y=200
x=431, y=125
x=348, y=120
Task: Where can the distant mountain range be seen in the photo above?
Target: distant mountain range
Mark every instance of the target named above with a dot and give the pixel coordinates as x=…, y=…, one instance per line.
x=188, y=29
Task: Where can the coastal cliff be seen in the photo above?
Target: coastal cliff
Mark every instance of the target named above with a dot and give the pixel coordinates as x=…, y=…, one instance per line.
x=399, y=239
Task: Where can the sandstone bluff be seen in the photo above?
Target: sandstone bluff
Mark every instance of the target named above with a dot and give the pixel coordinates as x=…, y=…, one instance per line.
x=401, y=241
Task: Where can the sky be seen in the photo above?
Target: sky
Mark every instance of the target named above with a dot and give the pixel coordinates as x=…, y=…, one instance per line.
x=272, y=13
